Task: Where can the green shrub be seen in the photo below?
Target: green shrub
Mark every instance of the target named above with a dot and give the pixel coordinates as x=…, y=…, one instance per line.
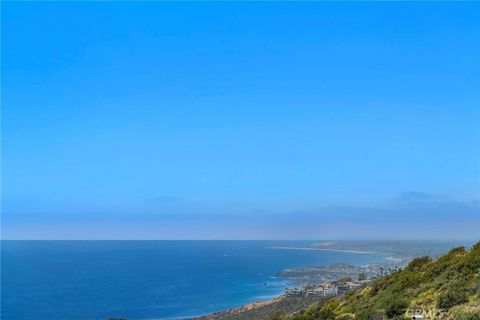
x=395, y=307
x=467, y=316
x=369, y=315
x=326, y=315
x=456, y=251
x=452, y=297
x=344, y=279
x=476, y=246
x=362, y=276
x=470, y=265
x=418, y=263
x=472, y=316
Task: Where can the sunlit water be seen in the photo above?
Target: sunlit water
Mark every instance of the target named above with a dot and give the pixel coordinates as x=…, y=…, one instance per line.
x=60, y=280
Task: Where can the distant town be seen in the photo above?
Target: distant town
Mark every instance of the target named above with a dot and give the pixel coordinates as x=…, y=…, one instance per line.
x=335, y=279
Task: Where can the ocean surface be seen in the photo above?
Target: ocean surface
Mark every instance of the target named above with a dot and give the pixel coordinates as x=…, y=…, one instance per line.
x=140, y=280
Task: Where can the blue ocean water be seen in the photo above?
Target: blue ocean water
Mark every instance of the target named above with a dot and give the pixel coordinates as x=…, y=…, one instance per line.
x=140, y=280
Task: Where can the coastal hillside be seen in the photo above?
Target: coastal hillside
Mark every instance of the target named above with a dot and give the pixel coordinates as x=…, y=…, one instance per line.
x=446, y=288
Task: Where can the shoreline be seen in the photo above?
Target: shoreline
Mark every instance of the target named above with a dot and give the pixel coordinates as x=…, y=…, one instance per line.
x=256, y=304
x=321, y=249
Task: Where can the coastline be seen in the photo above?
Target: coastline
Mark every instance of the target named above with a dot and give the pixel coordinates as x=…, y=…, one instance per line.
x=250, y=306
x=321, y=249
x=255, y=308
x=262, y=309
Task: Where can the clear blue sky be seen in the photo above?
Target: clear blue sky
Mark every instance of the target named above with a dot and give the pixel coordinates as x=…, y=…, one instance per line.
x=240, y=120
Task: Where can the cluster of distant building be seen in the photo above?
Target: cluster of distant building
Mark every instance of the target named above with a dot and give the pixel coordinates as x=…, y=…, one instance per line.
x=327, y=289
x=336, y=279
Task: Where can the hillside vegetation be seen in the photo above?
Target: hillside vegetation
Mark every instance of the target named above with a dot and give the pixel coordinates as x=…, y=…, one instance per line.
x=448, y=287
